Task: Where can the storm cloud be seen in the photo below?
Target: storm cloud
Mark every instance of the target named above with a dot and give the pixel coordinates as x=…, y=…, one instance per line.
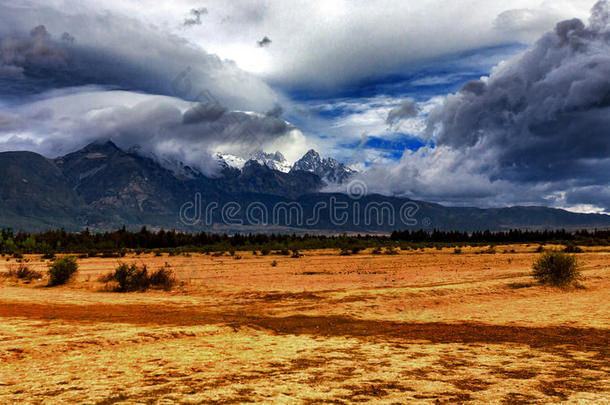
x=117, y=51
x=164, y=127
x=537, y=130
x=408, y=109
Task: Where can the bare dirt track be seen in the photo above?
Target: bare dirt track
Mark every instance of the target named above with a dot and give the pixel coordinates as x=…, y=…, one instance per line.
x=418, y=327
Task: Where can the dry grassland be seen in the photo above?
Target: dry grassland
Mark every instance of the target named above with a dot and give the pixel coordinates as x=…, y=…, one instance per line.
x=418, y=327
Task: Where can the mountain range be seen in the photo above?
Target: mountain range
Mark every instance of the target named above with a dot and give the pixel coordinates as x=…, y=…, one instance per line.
x=102, y=187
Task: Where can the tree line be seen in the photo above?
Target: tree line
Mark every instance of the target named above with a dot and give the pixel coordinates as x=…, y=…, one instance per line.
x=61, y=241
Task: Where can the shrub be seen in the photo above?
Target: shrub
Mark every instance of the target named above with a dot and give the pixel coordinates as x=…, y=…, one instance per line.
x=62, y=270
x=274, y=263
x=489, y=251
x=457, y=251
x=376, y=251
x=390, y=251
x=130, y=278
x=23, y=272
x=48, y=256
x=163, y=278
x=133, y=278
x=296, y=254
x=110, y=254
x=556, y=268
x=345, y=252
x=572, y=248
x=237, y=257
x=265, y=252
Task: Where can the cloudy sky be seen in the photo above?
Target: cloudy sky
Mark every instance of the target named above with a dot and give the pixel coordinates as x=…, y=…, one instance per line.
x=465, y=103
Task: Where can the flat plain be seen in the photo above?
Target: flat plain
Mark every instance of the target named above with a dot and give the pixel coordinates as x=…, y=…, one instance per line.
x=417, y=327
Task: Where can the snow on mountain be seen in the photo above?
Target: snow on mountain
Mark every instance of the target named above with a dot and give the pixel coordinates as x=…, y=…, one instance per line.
x=228, y=160
x=274, y=161
x=329, y=169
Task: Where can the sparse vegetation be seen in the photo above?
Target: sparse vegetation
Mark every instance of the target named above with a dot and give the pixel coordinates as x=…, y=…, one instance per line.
x=62, y=270
x=129, y=278
x=572, y=248
x=22, y=272
x=556, y=268
x=274, y=263
x=390, y=251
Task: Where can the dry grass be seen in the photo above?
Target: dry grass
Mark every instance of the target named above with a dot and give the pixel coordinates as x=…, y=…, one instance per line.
x=418, y=327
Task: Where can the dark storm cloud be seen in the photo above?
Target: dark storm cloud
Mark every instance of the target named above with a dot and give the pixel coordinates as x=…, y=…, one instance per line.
x=536, y=131
x=195, y=16
x=408, y=109
x=35, y=49
x=68, y=38
x=167, y=128
x=209, y=111
x=114, y=51
x=264, y=42
x=592, y=195
x=276, y=112
x=544, y=117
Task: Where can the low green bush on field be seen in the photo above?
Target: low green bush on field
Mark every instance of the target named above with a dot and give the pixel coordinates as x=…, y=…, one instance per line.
x=556, y=268
x=62, y=270
x=129, y=278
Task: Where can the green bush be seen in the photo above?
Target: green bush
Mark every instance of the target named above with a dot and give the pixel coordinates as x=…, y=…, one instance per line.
x=345, y=252
x=556, y=268
x=163, y=278
x=130, y=278
x=62, y=270
x=572, y=248
x=457, y=251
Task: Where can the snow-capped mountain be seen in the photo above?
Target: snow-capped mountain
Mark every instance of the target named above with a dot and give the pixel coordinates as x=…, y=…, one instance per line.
x=328, y=169
x=228, y=160
x=274, y=161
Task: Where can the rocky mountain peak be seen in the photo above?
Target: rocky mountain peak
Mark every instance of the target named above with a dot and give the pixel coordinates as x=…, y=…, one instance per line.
x=330, y=170
x=274, y=161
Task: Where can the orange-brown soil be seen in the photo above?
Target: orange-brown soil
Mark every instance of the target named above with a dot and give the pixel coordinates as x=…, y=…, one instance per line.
x=418, y=327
